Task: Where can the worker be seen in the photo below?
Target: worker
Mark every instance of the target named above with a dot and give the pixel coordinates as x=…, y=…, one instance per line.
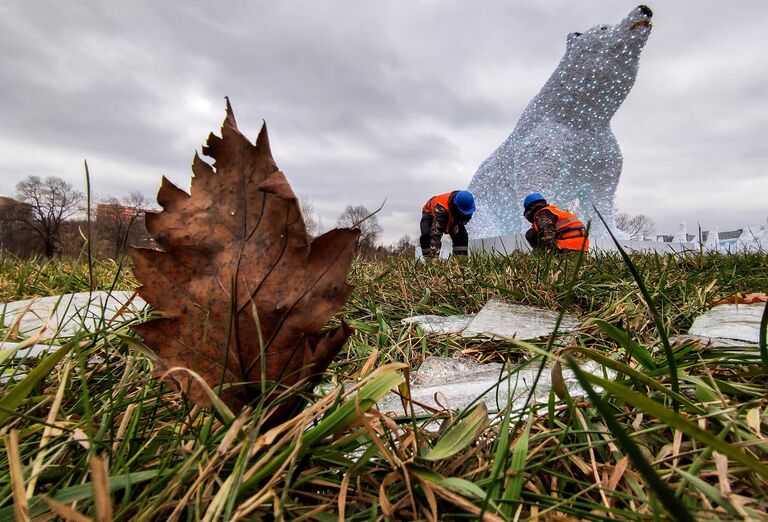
x=446, y=214
x=553, y=229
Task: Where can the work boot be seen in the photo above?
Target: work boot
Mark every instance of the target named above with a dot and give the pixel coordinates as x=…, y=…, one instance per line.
x=460, y=251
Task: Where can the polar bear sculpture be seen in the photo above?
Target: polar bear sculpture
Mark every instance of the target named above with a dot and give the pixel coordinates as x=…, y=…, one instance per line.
x=563, y=146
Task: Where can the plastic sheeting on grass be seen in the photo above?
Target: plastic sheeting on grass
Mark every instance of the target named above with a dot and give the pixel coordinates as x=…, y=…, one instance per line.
x=498, y=320
x=67, y=314
x=455, y=383
x=730, y=321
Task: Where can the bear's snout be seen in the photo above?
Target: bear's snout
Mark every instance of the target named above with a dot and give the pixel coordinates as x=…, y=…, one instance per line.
x=645, y=10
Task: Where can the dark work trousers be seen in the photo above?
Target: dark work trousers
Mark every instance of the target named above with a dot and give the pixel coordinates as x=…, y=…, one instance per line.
x=458, y=234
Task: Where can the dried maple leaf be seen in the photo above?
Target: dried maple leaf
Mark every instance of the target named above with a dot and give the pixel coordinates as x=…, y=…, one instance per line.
x=234, y=251
x=753, y=298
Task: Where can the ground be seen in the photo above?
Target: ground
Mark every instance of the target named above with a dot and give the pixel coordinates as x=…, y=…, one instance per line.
x=102, y=436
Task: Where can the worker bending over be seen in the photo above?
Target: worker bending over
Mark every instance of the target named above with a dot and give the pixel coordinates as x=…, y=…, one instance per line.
x=446, y=214
x=553, y=229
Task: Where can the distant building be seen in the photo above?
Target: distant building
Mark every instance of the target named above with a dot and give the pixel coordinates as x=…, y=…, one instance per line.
x=751, y=238
x=733, y=234
x=6, y=203
x=116, y=212
x=724, y=236
x=693, y=238
x=119, y=226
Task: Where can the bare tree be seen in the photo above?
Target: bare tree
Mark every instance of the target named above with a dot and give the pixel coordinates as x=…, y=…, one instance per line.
x=308, y=213
x=113, y=221
x=51, y=201
x=119, y=224
x=637, y=227
x=137, y=200
x=404, y=245
x=370, y=229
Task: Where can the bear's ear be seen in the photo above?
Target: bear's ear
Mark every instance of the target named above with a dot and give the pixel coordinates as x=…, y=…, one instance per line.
x=571, y=38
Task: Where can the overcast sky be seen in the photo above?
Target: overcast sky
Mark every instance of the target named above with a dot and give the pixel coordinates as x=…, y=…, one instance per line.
x=373, y=100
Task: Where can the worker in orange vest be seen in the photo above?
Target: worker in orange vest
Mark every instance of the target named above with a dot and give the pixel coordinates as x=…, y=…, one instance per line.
x=446, y=214
x=553, y=229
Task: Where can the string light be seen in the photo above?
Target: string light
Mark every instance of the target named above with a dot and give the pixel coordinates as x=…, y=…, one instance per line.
x=563, y=145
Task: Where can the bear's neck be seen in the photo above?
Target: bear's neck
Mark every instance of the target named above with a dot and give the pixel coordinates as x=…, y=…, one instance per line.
x=580, y=101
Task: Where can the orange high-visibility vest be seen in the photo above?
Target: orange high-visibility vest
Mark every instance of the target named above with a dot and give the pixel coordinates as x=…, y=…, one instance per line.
x=444, y=201
x=569, y=231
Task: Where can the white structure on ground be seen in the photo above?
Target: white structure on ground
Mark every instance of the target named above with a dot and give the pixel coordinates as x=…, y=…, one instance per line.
x=713, y=240
x=753, y=238
x=503, y=245
x=750, y=238
x=682, y=233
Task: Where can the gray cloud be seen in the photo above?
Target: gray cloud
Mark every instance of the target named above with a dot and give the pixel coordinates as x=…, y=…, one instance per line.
x=372, y=100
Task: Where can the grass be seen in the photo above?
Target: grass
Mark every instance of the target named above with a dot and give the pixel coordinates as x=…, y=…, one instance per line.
x=94, y=431
x=26, y=278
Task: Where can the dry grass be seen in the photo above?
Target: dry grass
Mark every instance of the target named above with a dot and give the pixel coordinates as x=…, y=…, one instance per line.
x=100, y=436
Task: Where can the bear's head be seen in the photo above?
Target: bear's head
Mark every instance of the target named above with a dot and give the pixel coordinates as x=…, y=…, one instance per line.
x=600, y=65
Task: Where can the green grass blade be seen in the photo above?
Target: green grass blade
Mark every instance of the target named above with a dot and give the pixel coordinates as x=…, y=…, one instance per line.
x=704, y=392
x=633, y=349
x=667, y=497
x=564, y=303
x=11, y=400
x=517, y=465
x=38, y=507
x=461, y=435
x=9, y=353
x=674, y=420
x=378, y=384
x=710, y=491
x=639, y=376
x=500, y=455
x=463, y=487
x=763, y=342
x=671, y=362
x=222, y=410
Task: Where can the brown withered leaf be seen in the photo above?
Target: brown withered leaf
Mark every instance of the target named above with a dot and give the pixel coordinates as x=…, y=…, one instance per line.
x=754, y=298
x=233, y=250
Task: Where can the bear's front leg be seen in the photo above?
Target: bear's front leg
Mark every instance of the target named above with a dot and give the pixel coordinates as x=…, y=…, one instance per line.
x=542, y=163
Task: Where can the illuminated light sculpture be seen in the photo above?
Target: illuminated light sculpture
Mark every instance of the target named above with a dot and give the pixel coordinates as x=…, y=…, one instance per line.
x=563, y=146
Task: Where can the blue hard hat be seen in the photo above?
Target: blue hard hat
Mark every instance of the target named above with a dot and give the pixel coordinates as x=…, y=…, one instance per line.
x=465, y=202
x=532, y=198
